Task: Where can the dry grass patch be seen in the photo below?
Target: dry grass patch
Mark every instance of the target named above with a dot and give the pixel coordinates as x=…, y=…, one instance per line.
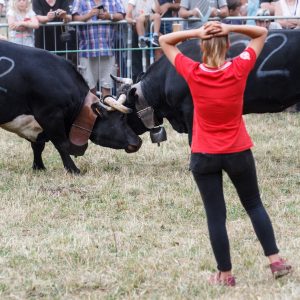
x=133, y=226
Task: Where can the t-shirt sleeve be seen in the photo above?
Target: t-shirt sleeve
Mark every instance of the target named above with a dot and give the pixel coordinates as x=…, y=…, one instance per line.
x=119, y=8
x=245, y=62
x=76, y=9
x=184, y=65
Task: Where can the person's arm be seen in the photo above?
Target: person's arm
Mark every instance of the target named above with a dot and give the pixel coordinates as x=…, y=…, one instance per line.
x=106, y=15
x=11, y=21
x=187, y=13
x=174, y=6
x=270, y=5
x=168, y=41
x=63, y=15
x=257, y=34
x=32, y=22
x=49, y=17
x=87, y=16
x=22, y=25
x=222, y=12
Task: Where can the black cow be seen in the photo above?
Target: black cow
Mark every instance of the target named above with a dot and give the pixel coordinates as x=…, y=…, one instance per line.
x=43, y=97
x=273, y=85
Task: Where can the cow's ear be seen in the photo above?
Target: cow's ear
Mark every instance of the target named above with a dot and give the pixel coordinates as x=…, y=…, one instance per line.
x=132, y=92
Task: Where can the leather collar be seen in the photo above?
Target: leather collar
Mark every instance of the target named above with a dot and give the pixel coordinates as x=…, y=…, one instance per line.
x=82, y=127
x=143, y=110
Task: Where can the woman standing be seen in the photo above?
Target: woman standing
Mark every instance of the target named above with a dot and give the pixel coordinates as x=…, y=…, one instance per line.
x=220, y=141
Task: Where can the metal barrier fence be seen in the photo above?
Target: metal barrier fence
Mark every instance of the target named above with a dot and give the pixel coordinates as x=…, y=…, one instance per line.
x=130, y=59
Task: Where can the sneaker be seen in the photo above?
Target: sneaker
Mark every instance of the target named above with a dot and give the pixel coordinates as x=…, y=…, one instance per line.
x=142, y=43
x=280, y=268
x=216, y=280
x=155, y=41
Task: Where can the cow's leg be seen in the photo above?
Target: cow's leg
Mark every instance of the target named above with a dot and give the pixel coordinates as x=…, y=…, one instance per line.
x=66, y=158
x=38, y=148
x=56, y=133
x=188, y=115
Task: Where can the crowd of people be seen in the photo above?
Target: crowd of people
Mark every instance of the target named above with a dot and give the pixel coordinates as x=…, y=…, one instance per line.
x=24, y=18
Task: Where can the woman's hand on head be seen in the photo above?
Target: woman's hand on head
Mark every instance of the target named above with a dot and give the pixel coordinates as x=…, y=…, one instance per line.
x=221, y=30
x=209, y=30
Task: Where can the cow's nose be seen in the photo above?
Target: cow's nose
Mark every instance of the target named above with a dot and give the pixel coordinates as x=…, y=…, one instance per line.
x=134, y=148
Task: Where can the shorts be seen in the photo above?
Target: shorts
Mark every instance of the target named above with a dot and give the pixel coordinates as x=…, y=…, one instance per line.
x=97, y=69
x=166, y=27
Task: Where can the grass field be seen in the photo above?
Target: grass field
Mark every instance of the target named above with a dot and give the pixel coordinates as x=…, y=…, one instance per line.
x=133, y=226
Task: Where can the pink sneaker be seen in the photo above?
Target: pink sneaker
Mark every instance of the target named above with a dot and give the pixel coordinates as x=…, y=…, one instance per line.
x=216, y=280
x=280, y=268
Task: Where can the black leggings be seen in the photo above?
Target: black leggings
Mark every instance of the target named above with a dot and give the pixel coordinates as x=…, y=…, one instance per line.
x=240, y=167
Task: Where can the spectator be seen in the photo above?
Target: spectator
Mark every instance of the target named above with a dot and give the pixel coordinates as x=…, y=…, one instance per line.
x=48, y=37
x=234, y=8
x=21, y=22
x=140, y=12
x=190, y=8
x=168, y=8
x=252, y=7
x=96, y=42
x=266, y=22
x=1, y=7
x=290, y=8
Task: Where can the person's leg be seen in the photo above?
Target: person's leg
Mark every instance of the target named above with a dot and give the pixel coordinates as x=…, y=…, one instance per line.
x=107, y=67
x=140, y=25
x=156, y=23
x=240, y=167
x=89, y=68
x=208, y=176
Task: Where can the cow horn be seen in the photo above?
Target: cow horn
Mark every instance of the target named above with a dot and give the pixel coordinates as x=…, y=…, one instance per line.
x=116, y=105
x=122, y=99
x=108, y=108
x=122, y=80
x=96, y=107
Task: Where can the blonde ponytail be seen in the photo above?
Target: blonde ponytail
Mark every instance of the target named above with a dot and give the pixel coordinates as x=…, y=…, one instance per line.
x=214, y=50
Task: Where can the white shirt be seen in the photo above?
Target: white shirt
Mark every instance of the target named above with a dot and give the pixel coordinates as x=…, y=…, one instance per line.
x=142, y=7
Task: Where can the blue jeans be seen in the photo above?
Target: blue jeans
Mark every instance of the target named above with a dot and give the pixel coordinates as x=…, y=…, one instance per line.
x=207, y=170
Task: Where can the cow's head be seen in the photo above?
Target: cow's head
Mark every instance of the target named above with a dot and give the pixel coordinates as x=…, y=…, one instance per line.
x=142, y=118
x=111, y=128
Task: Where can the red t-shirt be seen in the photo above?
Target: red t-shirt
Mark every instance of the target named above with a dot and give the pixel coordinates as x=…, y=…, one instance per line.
x=218, y=125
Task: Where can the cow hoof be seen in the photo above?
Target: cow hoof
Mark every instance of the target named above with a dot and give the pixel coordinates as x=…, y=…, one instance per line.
x=38, y=168
x=75, y=171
